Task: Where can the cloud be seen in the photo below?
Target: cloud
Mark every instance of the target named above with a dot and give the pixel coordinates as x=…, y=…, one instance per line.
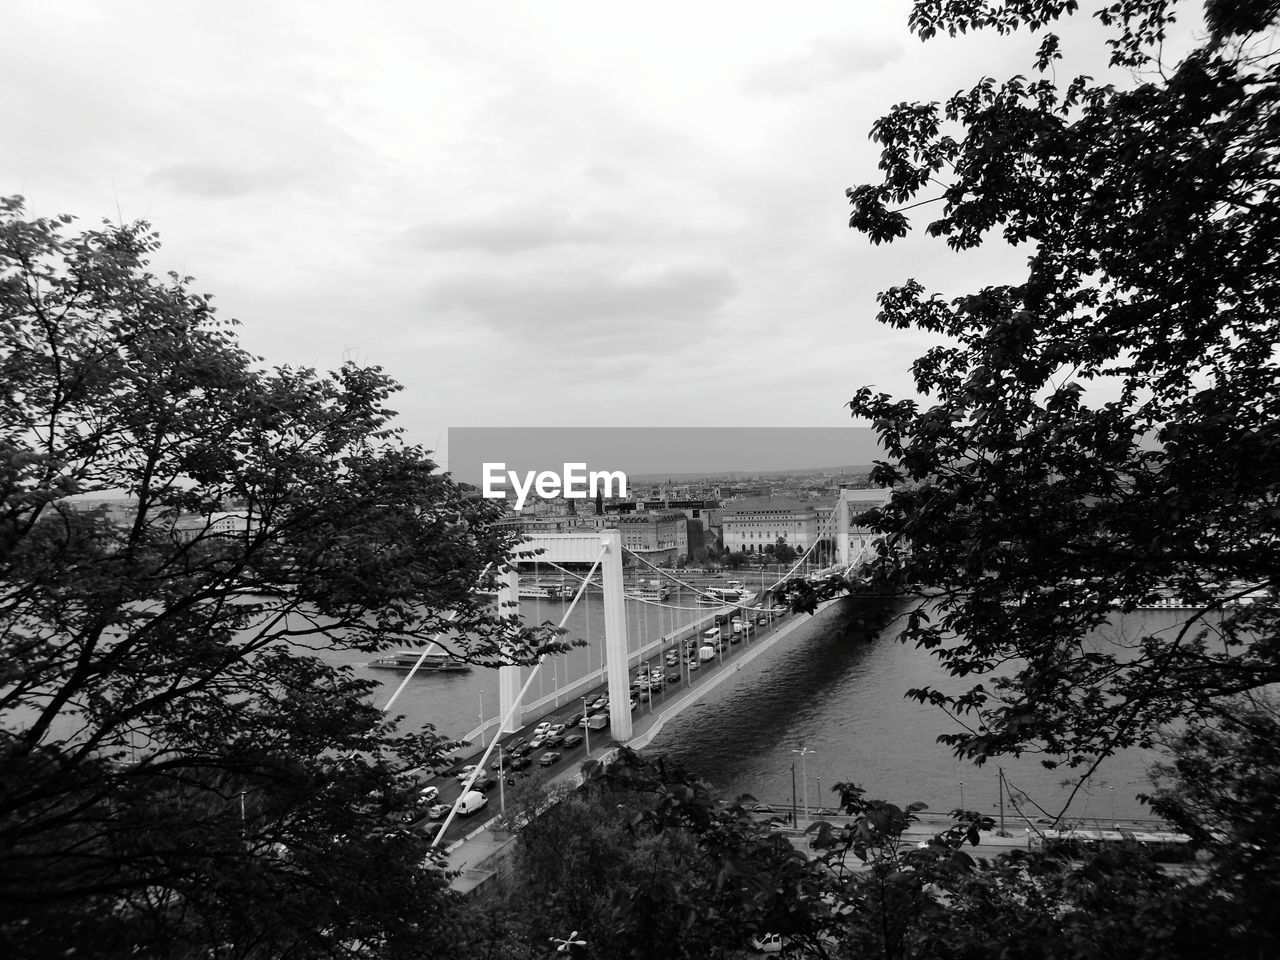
x=826, y=62
x=585, y=310
x=216, y=181
x=513, y=232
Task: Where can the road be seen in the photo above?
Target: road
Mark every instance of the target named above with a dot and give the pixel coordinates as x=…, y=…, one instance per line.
x=686, y=674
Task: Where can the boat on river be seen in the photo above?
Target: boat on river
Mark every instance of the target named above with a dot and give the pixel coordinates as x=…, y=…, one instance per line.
x=651, y=590
x=431, y=663
x=720, y=596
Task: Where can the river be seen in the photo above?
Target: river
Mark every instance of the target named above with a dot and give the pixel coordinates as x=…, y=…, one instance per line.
x=830, y=692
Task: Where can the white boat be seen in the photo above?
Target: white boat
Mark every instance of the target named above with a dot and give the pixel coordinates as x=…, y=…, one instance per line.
x=721, y=596
x=542, y=590
x=432, y=662
x=652, y=590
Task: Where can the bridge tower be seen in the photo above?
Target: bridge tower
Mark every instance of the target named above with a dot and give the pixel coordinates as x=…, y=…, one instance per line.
x=845, y=552
x=585, y=548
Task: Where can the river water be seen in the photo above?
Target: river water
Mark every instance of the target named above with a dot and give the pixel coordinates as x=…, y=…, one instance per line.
x=826, y=690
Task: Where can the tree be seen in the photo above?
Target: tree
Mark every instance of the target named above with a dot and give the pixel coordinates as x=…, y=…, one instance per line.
x=188, y=768
x=783, y=552
x=1219, y=787
x=1105, y=430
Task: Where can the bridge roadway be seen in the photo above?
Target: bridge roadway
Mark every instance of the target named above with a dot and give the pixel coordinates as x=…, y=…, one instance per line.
x=465, y=839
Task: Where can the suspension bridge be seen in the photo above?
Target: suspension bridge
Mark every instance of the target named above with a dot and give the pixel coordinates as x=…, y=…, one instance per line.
x=763, y=625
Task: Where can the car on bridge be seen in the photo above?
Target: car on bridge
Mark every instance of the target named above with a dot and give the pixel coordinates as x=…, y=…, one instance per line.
x=673, y=677
x=572, y=740
x=472, y=802
x=548, y=758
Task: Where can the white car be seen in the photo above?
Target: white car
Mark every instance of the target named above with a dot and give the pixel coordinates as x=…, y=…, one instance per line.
x=767, y=943
x=541, y=729
x=466, y=772
x=427, y=794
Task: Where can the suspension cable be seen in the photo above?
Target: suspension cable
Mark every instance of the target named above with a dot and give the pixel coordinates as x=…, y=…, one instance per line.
x=435, y=641
x=484, y=758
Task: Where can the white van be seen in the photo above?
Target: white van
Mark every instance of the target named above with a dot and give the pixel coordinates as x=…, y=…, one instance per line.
x=472, y=802
x=707, y=653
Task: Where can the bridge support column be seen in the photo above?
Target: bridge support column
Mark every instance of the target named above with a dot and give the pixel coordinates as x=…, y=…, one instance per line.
x=509, y=679
x=615, y=636
x=842, y=530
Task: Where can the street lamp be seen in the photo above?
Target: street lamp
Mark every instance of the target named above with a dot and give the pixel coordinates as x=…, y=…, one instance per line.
x=502, y=781
x=804, y=775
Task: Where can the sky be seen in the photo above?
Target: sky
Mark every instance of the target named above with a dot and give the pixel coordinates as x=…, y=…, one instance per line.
x=555, y=214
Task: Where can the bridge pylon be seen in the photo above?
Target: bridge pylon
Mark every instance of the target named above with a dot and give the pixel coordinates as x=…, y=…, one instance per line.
x=579, y=548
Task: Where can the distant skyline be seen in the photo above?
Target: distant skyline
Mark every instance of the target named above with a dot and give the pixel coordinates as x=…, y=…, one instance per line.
x=646, y=452
x=571, y=214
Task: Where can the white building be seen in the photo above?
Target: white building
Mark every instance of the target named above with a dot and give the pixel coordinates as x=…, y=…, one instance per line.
x=751, y=525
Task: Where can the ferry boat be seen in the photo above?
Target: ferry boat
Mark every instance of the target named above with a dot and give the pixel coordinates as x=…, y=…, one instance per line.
x=540, y=590
x=432, y=662
x=722, y=596
x=652, y=590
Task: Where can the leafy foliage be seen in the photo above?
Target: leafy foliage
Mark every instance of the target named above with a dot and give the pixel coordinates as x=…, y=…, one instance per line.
x=188, y=769
x=1102, y=433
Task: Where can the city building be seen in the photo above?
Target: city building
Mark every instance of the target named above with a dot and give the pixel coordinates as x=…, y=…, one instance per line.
x=659, y=538
x=222, y=526
x=752, y=524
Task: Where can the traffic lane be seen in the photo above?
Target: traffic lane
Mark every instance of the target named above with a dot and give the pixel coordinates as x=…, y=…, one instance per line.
x=449, y=788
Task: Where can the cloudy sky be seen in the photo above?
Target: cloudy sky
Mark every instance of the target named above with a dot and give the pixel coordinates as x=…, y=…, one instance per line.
x=564, y=214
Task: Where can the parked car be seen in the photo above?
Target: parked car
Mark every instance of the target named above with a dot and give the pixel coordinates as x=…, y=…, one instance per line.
x=572, y=740
x=767, y=943
x=427, y=794
x=548, y=758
